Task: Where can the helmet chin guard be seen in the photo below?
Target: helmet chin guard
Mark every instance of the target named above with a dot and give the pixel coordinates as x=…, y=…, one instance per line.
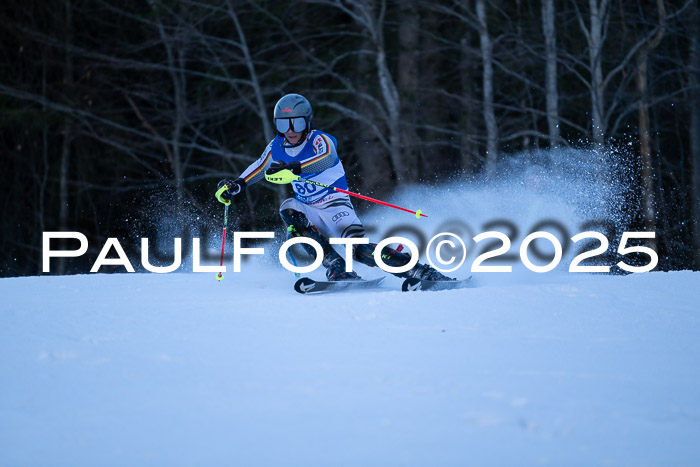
x=290, y=107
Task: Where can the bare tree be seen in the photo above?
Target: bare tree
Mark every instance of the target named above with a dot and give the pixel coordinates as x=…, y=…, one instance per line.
x=487, y=86
x=642, y=81
x=468, y=148
x=175, y=47
x=409, y=30
x=261, y=106
x=68, y=131
x=694, y=130
x=595, y=33
x=552, y=93
x=370, y=17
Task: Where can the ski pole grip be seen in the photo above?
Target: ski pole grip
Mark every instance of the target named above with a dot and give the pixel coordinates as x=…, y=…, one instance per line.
x=219, y=192
x=282, y=177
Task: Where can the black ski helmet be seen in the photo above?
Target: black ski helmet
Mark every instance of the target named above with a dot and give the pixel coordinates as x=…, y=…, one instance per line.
x=290, y=107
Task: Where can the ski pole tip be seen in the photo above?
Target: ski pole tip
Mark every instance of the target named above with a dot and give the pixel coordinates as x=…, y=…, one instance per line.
x=219, y=276
x=420, y=214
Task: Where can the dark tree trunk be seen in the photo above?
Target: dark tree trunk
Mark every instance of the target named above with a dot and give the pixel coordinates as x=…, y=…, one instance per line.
x=409, y=30
x=695, y=127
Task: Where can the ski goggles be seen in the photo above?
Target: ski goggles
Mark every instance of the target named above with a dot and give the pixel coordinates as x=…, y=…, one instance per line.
x=296, y=124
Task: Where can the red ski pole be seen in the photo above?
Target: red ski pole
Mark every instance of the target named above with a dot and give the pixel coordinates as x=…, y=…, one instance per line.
x=287, y=176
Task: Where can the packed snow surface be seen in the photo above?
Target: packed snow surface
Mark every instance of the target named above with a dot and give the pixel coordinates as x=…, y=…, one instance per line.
x=179, y=369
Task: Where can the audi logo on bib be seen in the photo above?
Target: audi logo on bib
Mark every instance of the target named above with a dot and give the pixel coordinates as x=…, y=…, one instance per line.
x=339, y=216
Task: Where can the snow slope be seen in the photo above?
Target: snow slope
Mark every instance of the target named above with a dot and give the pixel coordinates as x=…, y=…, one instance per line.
x=525, y=369
x=178, y=369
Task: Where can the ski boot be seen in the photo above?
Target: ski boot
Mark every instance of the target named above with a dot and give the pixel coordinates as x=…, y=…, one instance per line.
x=335, y=270
x=299, y=226
x=393, y=258
x=427, y=273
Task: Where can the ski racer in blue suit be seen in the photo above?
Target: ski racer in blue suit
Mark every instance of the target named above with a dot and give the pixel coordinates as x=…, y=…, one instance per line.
x=316, y=212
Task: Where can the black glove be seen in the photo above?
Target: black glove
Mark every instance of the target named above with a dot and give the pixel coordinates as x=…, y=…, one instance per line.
x=277, y=166
x=234, y=187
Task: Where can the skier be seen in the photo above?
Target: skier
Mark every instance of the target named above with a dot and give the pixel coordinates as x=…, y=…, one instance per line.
x=317, y=212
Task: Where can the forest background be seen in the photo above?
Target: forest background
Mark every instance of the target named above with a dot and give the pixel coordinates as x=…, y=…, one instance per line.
x=122, y=114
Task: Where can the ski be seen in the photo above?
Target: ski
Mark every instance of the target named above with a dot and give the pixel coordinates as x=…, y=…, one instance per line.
x=413, y=284
x=306, y=285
